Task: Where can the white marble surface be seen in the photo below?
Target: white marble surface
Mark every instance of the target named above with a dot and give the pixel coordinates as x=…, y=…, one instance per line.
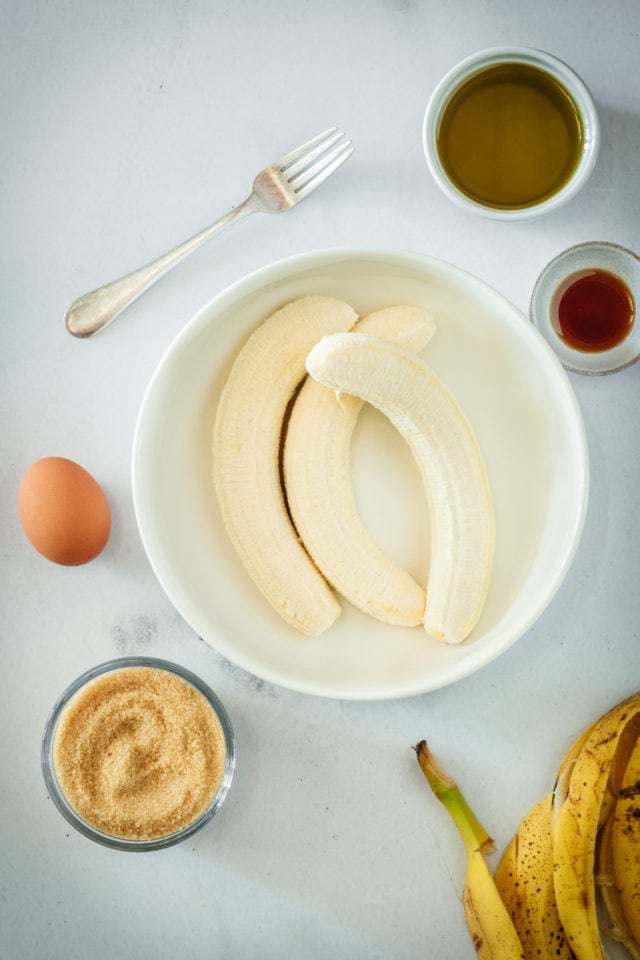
x=127, y=127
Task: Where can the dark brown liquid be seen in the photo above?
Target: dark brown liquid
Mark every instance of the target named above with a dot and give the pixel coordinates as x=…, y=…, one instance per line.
x=510, y=137
x=592, y=311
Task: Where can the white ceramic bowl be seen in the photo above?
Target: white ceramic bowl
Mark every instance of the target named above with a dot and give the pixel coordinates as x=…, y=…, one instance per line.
x=470, y=67
x=519, y=401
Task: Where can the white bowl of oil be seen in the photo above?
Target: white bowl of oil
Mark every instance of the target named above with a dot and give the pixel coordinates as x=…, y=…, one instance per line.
x=511, y=133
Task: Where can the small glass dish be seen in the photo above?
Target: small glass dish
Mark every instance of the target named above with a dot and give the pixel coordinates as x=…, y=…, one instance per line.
x=603, y=256
x=480, y=63
x=57, y=793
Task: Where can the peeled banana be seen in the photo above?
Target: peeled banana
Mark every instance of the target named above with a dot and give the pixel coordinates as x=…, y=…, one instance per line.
x=319, y=491
x=423, y=410
x=246, y=473
x=492, y=931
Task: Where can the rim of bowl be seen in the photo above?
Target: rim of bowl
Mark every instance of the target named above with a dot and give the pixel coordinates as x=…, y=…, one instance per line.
x=545, y=327
x=476, y=63
x=56, y=793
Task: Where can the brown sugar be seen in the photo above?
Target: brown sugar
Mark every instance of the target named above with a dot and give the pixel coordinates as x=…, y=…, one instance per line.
x=139, y=753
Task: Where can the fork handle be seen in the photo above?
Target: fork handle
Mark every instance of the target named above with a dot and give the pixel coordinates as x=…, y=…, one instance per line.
x=93, y=311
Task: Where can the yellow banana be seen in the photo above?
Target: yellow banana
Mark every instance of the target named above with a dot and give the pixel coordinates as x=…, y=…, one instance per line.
x=625, y=844
x=578, y=798
x=491, y=928
x=565, y=769
x=617, y=927
x=524, y=878
x=570, y=757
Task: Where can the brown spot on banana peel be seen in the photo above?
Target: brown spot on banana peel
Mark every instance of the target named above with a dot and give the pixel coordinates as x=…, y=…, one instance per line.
x=478, y=942
x=632, y=791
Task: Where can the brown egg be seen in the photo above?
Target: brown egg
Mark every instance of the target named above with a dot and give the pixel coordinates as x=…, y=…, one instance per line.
x=64, y=512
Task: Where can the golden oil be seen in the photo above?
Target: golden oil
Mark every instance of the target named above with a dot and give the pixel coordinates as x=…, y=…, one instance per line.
x=510, y=137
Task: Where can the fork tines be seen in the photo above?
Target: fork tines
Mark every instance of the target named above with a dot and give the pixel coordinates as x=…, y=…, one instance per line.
x=307, y=166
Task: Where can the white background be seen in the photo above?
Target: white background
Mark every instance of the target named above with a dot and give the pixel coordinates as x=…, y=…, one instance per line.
x=126, y=127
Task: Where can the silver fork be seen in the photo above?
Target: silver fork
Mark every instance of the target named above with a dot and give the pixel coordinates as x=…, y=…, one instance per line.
x=279, y=187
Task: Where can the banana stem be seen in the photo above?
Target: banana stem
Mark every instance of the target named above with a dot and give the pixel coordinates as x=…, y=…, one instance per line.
x=447, y=791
